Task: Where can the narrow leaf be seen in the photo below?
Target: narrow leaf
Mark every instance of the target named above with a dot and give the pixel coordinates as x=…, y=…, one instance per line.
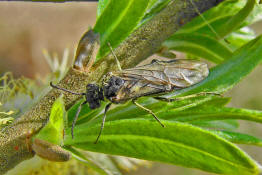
x=153, y=8
x=217, y=124
x=199, y=45
x=129, y=110
x=84, y=159
x=240, y=37
x=239, y=138
x=101, y=6
x=117, y=21
x=177, y=143
x=224, y=76
x=224, y=18
x=236, y=20
x=53, y=130
x=212, y=113
x=161, y=109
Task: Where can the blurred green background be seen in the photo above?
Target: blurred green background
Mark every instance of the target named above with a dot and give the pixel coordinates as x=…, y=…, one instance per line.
x=28, y=28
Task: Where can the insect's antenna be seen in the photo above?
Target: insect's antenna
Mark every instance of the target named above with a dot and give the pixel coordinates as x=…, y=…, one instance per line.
x=66, y=90
x=117, y=62
x=204, y=19
x=103, y=122
x=76, y=117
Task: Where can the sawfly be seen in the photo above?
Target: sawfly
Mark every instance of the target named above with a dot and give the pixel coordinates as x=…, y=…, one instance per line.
x=154, y=79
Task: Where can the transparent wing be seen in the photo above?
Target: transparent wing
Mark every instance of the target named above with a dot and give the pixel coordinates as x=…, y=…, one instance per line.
x=179, y=73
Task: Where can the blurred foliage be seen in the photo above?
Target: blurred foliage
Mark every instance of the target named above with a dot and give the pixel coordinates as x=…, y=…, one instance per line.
x=4, y=117
x=58, y=69
x=12, y=97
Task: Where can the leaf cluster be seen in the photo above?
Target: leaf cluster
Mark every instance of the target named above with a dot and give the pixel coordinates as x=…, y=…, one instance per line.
x=199, y=131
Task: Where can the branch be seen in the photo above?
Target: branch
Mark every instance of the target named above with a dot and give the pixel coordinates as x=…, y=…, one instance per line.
x=142, y=43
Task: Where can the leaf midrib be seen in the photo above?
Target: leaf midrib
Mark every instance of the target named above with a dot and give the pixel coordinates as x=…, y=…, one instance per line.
x=165, y=141
x=117, y=21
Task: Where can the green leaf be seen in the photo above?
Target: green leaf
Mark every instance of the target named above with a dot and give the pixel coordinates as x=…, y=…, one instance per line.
x=240, y=37
x=183, y=110
x=255, y=15
x=211, y=113
x=84, y=159
x=217, y=124
x=239, y=138
x=199, y=45
x=224, y=18
x=53, y=130
x=129, y=110
x=224, y=76
x=117, y=21
x=236, y=20
x=153, y=8
x=86, y=114
x=177, y=143
x=218, y=101
x=101, y=7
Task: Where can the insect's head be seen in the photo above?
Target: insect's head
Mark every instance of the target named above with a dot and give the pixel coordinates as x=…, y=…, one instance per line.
x=112, y=86
x=94, y=94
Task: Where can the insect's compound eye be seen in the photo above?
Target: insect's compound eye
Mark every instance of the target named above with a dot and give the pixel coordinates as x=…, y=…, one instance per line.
x=115, y=81
x=119, y=81
x=153, y=61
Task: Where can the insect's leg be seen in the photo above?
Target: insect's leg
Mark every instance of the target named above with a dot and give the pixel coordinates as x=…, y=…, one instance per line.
x=186, y=97
x=117, y=62
x=66, y=90
x=149, y=111
x=103, y=122
x=76, y=117
x=164, y=99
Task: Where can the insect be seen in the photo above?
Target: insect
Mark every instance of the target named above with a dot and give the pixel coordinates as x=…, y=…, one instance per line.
x=154, y=79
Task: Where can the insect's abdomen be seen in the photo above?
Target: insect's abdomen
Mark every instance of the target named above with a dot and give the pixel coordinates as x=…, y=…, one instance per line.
x=135, y=89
